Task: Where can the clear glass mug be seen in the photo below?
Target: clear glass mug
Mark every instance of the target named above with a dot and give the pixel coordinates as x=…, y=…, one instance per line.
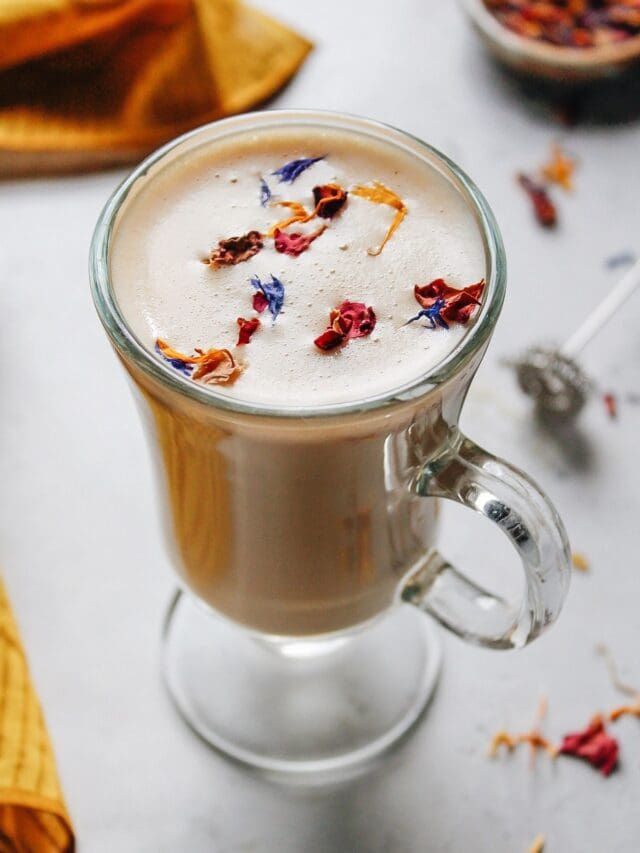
x=312, y=530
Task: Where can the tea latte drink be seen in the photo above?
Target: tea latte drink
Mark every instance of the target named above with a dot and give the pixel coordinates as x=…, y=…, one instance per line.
x=294, y=269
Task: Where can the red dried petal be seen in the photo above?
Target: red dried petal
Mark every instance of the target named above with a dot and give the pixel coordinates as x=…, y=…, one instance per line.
x=329, y=199
x=235, y=249
x=610, y=404
x=459, y=303
x=247, y=328
x=329, y=340
x=594, y=745
x=259, y=301
x=353, y=319
x=348, y=320
x=543, y=207
x=295, y=244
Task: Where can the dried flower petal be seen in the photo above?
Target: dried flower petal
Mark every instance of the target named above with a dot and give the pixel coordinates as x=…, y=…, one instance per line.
x=459, y=303
x=247, y=328
x=329, y=200
x=580, y=562
x=610, y=404
x=236, y=249
x=624, y=711
x=217, y=367
x=182, y=363
x=272, y=295
x=349, y=320
x=214, y=366
x=353, y=319
x=543, y=207
x=300, y=214
x=329, y=340
x=433, y=314
x=265, y=192
x=559, y=170
x=259, y=302
x=537, y=845
x=379, y=194
x=295, y=244
x=594, y=745
x=292, y=170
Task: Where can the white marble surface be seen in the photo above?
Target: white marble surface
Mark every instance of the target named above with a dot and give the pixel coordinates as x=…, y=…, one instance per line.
x=79, y=538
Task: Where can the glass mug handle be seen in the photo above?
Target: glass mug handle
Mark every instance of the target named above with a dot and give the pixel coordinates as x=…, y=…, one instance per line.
x=469, y=475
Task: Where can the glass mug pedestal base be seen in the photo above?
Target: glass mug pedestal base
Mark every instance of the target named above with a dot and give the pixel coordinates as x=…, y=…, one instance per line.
x=308, y=705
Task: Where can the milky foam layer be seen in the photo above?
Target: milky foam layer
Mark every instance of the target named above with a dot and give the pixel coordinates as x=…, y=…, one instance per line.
x=178, y=215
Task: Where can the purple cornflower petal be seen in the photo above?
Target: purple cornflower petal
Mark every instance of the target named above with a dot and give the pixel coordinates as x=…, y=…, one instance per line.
x=273, y=293
x=265, y=192
x=432, y=314
x=290, y=171
x=183, y=366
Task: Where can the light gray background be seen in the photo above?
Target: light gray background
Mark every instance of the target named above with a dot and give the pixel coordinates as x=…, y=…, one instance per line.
x=79, y=539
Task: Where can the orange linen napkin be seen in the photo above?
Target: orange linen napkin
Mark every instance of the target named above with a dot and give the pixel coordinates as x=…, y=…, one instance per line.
x=33, y=816
x=88, y=83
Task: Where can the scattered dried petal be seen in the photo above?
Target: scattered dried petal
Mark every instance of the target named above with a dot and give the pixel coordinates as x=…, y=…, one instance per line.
x=594, y=745
x=348, y=320
x=537, y=845
x=329, y=199
x=559, y=170
x=272, y=295
x=329, y=340
x=214, y=366
x=379, y=194
x=543, y=207
x=580, y=562
x=620, y=259
x=624, y=711
x=611, y=404
x=300, y=214
x=176, y=359
x=292, y=170
x=265, y=192
x=247, y=328
x=236, y=249
x=433, y=314
x=533, y=738
x=459, y=303
x=259, y=302
x=295, y=244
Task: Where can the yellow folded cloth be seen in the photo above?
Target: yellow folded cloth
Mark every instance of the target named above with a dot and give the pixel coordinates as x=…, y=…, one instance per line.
x=88, y=83
x=33, y=816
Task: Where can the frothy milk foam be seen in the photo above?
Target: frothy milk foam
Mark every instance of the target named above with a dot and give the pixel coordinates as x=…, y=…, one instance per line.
x=166, y=291
x=293, y=526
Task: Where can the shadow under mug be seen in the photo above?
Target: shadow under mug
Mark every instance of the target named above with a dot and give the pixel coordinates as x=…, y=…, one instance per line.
x=300, y=534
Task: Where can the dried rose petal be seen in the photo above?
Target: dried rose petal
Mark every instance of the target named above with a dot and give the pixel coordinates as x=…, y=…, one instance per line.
x=259, y=302
x=329, y=340
x=329, y=199
x=543, y=207
x=295, y=244
x=594, y=745
x=247, y=328
x=217, y=367
x=610, y=404
x=459, y=303
x=353, y=319
x=348, y=320
x=236, y=249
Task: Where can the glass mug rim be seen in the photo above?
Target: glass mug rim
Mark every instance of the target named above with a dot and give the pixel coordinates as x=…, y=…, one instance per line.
x=130, y=346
